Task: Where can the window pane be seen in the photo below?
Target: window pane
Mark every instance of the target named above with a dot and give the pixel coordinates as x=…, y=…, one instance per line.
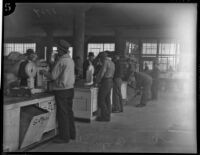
x=149, y=64
x=167, y=48
x=149, y=48
x=99, y=47
x=18, y=47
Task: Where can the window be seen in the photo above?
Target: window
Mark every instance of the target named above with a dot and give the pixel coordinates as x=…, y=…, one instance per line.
x=132, y=47
x=149, y=48
x=149, y=64
x=167, y=48
x=166, y=62
x=99, y=47
x=168, y=55
x=18, y=47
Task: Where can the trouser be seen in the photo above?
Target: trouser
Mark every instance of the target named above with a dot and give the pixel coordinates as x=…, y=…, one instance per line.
x=117, y=95
x=154, y=89
x=146, y=94
x=65, y=117
x=104, y=100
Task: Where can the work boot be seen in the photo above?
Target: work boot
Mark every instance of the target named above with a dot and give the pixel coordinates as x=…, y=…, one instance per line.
x=140, y=105
x=59, y=140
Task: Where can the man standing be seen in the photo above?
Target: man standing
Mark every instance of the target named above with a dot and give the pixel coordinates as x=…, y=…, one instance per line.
x=146, y=68
x=63, y=85
x=155, y=83
x=117, y=82
x=105, y=78
x=87, y=63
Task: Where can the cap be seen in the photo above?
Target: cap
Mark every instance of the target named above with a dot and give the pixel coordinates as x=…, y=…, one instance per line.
x=102, y=54
x=90, y=54
x=29, y=51
x=64, y=45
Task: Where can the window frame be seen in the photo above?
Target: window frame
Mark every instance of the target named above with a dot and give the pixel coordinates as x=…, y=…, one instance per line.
x=103, y=46
x=15, y=44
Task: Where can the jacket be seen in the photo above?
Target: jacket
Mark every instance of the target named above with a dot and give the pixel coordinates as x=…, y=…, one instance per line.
x=63, y=73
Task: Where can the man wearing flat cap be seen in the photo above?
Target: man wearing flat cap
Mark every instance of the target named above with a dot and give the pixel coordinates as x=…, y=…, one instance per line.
x=63, y=78
x=105, y=80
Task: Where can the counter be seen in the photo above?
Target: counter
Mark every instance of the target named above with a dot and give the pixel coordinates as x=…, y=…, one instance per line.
x=84, y=107
x=15, y=102
x=11, y=124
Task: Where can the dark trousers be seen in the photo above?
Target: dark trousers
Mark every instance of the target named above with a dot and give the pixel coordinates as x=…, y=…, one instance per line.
x=154, y=89
x=104, y=100
x=117, y=95
x=65, y=116
x=146, y=94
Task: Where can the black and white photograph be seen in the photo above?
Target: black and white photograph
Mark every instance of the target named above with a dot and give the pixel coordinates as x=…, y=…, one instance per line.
x=99, y=77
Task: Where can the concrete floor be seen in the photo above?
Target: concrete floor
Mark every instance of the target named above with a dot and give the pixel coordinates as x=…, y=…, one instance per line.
x=163, y=126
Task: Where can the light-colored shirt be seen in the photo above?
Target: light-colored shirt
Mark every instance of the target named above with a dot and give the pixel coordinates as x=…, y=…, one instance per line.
x=63, y=73
x=107, y=70
x=89, y=74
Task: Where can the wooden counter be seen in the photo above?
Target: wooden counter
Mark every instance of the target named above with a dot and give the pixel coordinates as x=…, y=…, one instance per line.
x=15, y=102
x=84, y=107
x=11, y=114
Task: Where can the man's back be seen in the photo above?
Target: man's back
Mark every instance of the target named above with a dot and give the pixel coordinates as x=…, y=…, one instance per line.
x=155, y=73
x=143, y=79
x=63, y=73
x=110, y=69
x=118, y=69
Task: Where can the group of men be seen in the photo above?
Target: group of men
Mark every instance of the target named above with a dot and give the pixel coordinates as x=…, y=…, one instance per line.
x=108, y=75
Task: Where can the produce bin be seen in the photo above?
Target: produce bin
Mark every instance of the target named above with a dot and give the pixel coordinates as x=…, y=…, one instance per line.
x=33, y=121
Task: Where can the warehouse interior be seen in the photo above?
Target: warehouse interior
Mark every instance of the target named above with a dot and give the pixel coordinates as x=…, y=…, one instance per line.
x=147, y=31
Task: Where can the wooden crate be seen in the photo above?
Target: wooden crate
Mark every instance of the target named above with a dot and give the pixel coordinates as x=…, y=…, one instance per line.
x=85, y=102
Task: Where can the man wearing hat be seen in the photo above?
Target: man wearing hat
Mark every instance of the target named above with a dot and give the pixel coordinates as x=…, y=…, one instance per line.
x=105, y=79
x=87, y=63
x=22, y=73
x=117, y=105
x=63, y=78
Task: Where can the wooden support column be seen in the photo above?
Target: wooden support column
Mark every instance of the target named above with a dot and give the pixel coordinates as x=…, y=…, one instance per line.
x=120, y=43
x=79, y=34
x=49, y=45
x=140, y=55
x=39, y=47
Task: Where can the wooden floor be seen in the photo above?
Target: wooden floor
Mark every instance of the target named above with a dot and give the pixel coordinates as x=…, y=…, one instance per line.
x=163, y=126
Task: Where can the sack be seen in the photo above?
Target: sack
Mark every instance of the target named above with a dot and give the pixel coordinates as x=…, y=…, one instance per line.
x=15, y=56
